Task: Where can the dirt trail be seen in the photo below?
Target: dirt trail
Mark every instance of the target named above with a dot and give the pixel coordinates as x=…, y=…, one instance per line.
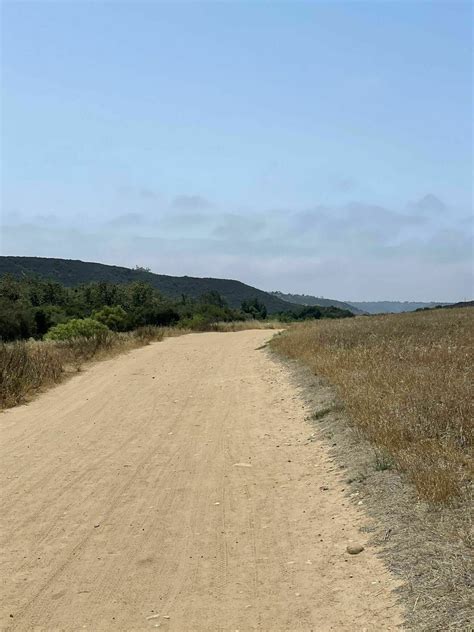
x=174, y=487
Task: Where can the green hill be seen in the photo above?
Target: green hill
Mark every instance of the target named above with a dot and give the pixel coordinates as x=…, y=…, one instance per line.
x=71, y=272
x=305, y=299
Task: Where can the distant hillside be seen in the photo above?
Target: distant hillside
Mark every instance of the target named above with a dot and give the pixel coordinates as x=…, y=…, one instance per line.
x=392, y=307
x=73, y=272
x=305, y=299
x=450, y=305
x=460, y=304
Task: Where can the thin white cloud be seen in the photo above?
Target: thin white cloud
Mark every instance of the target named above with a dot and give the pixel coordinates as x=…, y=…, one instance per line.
x=191, y=203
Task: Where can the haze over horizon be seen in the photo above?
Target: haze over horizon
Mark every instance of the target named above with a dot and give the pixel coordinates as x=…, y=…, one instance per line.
x=310, y=148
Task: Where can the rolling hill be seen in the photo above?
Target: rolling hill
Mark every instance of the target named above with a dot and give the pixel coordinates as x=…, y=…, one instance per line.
x=305, y=299
x=360, y=307
x=71, y=272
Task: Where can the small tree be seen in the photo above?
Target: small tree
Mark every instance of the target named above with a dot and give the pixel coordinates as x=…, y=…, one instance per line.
x=255, y=308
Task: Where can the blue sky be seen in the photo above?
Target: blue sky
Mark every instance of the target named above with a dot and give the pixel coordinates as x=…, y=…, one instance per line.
x=310, y=147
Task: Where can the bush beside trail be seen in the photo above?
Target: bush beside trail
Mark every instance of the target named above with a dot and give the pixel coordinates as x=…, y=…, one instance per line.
x=77, y=328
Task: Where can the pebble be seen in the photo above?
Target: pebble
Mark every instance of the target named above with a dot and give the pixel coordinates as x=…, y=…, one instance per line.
x=354, y=549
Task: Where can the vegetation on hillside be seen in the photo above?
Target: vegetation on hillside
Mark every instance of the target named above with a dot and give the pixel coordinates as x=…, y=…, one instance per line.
x=392, y=307
x=448, y=306
x=314, y=312
x=73, y=273
x=405, y=380
x=307, y=299
x=34, y=308
x=46, y=329
x=359, y=307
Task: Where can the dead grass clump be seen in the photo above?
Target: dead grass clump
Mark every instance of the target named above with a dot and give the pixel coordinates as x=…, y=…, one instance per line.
x=25, y=367
x=148, y=334
x=405, y=380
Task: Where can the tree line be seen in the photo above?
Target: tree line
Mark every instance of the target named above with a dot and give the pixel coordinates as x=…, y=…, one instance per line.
x=32, y=307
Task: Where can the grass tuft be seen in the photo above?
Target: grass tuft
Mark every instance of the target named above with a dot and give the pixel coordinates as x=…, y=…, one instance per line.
x=382, y=461
x=318, y=415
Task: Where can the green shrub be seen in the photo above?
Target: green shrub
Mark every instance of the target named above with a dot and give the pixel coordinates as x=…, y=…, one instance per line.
x=197, y=323
x=30, y=307
x=46, y=317
x=15, y=322
x=76, y=328
x=114, y=318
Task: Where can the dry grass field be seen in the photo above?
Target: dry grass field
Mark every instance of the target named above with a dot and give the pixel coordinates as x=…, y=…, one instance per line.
x=406, y=381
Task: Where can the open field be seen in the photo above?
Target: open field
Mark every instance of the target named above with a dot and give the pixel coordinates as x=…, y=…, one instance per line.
x=175, y=486
x=406, y=382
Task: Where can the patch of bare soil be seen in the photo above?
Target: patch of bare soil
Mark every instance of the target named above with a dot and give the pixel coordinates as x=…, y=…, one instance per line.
x=179, y=487
x=429, y=547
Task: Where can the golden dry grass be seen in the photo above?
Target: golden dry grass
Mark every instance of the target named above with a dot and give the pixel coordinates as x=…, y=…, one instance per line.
x=241, y=325
x=406, y=381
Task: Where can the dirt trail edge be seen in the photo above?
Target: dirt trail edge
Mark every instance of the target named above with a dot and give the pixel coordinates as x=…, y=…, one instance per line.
x=175, y=487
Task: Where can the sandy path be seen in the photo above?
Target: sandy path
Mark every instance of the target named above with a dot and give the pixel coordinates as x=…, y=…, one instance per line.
x=174, y=487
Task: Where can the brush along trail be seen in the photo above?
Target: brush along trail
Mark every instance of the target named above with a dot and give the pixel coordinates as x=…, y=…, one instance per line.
x=175, y=487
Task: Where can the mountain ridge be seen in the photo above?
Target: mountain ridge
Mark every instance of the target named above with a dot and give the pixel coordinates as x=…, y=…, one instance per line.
x=71, y=272
x=361, y=307
x=307, y=299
